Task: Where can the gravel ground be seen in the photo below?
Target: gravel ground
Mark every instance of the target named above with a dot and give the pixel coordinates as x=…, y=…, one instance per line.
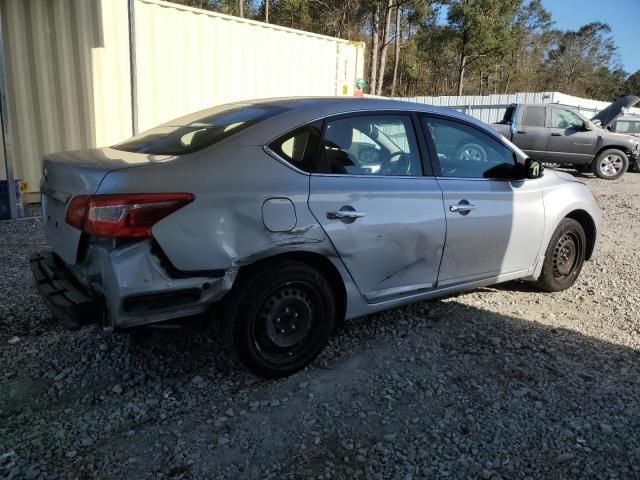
x=502, y=382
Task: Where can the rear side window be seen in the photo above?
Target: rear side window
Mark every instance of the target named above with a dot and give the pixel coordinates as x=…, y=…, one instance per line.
x=384, y=145
x=300, y=146
x=189, y=134
x=533, y=117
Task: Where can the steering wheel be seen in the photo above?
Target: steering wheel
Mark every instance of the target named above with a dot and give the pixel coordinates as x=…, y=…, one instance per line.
x=398, y=163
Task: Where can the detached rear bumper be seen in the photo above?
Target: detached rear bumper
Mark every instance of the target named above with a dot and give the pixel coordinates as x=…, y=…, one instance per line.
x=124, y=287
x=73, y=304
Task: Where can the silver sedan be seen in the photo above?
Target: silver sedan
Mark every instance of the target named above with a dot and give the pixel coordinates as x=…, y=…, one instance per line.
x=287, y=216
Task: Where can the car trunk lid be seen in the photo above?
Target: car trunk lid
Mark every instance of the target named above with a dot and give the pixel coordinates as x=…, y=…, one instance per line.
x=68, y=174
x=615, y=110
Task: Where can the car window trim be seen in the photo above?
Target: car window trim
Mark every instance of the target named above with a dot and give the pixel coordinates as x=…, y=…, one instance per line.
x=433, y=152
x=372, y=113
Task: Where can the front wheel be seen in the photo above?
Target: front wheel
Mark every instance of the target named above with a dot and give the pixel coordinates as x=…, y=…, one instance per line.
x=610, y=164
x=564, y=257
x=279, y=319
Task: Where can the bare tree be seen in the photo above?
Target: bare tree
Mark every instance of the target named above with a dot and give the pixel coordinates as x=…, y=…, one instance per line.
x=385, y=45
x=266, y=11
x=241, y=8
x=396, y=53
x=375, y=39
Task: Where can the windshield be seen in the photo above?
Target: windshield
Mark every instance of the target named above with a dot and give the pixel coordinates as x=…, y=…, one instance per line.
x=192, y=133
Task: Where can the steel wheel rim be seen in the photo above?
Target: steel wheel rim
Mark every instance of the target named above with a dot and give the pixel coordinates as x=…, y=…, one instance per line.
x=566, y=256
x=472, y=153
x=611, y=165
x=286, y=322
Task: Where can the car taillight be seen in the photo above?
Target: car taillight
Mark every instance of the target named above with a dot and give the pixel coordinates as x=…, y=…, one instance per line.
x=128, y=215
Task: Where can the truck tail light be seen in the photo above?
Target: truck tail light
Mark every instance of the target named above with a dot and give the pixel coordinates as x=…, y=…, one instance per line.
x=129, y=215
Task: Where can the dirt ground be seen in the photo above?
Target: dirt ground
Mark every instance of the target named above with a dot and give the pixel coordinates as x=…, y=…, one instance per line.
x=501, y=382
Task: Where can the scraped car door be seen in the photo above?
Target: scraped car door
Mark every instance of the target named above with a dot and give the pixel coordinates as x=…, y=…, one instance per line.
x=494, y=224
x=383, y=215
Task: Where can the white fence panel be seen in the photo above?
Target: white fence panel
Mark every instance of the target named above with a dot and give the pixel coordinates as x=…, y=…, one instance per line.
x=491, y=108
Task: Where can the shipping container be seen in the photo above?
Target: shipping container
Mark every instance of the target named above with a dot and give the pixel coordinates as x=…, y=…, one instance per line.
x=69, y=77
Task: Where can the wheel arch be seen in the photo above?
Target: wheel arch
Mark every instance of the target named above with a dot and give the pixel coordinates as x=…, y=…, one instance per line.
x=588, y=225
x=624, y=149
x=315, y=260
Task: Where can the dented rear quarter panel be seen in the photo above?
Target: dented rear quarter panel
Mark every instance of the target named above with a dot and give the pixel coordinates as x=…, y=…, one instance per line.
x=223, y=226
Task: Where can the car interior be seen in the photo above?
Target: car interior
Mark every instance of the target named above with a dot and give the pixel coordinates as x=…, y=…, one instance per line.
x=366, y=146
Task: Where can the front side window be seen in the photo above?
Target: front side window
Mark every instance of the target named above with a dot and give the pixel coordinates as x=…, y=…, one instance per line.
x=565, y=119
x=533, y=117
x=195, y=132
x=300, y=146
x=383, y=145
x=466, y=152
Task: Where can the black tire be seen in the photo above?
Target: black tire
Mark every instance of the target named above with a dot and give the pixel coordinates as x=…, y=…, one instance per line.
x=610, y=164
x=278, y=319
x=564, y=257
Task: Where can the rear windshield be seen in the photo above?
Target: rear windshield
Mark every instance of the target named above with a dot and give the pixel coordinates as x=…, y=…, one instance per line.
x=192, y=133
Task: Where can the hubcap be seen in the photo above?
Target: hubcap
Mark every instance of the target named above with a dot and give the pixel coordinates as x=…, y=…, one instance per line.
x=566, y=256
x=611, y=165
x=285, y=321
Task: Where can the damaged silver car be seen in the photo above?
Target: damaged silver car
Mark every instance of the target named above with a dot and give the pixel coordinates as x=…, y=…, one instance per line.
x=287, y=216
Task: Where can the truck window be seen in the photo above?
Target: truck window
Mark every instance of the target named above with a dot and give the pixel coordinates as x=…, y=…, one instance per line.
x=533, y=116
x=565, y=119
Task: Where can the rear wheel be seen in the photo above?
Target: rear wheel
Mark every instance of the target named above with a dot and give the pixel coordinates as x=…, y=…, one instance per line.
x=610, y=164
x=279, y=319
x=564, y=257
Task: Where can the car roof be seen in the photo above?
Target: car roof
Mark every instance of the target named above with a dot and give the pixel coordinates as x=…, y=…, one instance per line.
x=299, y=111
x=349, y=104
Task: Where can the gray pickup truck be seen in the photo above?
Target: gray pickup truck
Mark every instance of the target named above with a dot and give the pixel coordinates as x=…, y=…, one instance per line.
x=552, y=133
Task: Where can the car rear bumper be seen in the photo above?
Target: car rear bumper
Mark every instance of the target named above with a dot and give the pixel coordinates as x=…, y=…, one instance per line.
x=124, y=287
x=73, y=304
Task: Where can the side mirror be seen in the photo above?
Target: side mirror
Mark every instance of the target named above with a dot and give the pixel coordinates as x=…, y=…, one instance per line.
x=586, y=126
x=533, y=168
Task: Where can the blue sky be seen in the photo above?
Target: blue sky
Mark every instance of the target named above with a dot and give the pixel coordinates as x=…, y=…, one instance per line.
x=623, y=16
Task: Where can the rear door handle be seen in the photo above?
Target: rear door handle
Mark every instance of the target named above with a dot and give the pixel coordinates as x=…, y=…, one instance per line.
x=461, y=208
x=522, y=131
x=350, y=214
x=556, y=134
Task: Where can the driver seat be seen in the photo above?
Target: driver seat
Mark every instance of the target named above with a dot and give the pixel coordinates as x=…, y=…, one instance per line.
x=338, y=140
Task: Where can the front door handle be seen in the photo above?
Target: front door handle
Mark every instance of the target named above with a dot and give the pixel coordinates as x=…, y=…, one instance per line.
x=461, y=208
x=348, y=214
x=556, y=134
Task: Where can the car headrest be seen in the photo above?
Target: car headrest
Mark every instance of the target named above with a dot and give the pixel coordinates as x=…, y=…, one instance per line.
x=340, y=135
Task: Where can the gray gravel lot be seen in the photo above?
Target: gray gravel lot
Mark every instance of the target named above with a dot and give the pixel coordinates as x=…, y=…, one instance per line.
x=502, y=382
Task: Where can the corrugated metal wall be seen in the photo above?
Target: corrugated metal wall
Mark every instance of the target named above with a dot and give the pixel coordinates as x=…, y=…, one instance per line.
x=189, y=59
x=68, y=79
x=491, y=108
